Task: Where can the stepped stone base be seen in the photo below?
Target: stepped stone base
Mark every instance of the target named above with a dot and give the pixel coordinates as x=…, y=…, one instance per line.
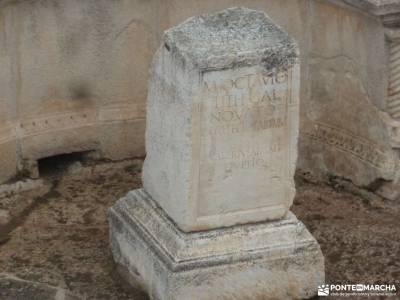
x=273, y=260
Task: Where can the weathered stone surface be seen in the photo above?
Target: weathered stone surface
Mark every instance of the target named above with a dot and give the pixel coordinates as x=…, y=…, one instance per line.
x=342, y=131
x=236, y=37
x=222, y=121
x=391, y=114
x=221, y=139
x=69, y=81
x=376, y=7
x=102, y=69
x=274, y=260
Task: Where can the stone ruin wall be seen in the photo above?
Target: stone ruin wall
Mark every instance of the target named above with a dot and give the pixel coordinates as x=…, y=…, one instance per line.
x=74, y=78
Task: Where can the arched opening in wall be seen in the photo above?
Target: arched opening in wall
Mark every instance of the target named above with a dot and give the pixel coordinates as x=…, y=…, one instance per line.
x=58, y=164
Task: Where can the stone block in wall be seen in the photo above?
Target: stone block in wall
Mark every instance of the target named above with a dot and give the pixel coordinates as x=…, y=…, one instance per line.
x=122, y=140
x=8, y=152
x=57, y=132
x=121, y=130
x=391, y=113
x=343, y=133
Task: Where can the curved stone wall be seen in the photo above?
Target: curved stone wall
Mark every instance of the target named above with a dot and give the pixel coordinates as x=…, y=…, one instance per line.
x=73, y=77
x=74, y=73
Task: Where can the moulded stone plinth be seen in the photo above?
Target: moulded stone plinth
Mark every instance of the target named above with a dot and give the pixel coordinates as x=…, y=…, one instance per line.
x=212, y=220
x=271, y=260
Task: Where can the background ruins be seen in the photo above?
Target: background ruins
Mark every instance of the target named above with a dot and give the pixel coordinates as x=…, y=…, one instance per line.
x=74, y=78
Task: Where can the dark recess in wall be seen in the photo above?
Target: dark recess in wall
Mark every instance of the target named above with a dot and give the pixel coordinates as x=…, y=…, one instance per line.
x=58, y=164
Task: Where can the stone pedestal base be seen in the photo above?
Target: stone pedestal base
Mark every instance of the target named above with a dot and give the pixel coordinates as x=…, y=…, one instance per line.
x=274, y=260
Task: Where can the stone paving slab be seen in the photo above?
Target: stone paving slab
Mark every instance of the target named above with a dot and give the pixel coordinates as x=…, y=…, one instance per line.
x=14, y=288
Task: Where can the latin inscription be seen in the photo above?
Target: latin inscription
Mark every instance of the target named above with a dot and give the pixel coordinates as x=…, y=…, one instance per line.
x=246, y=105
x=249, y=102
x=244, y=124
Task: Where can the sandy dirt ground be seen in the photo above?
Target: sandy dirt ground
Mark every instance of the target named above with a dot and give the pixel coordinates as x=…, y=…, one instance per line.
x=58, y=234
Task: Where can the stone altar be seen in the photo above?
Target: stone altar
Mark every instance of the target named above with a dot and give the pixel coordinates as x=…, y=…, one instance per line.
x=212, y=220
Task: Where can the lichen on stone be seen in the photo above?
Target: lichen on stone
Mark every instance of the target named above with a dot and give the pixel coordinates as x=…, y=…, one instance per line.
x=231, y=38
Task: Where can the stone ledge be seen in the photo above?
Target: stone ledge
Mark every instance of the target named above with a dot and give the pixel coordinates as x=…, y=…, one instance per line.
x=172, y=264
x=374, y=7
x=107, y=134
